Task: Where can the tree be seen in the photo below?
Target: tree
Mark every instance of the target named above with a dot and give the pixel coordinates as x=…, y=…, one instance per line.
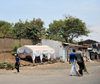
x=55, y=30
x=38, y=23
x=67, y=29
x=19, y=29
x=29, y=29
x=75, y=28
x=32, y=32
x=5, y=29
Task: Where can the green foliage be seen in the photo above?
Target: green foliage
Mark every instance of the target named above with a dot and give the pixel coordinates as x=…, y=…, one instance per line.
x=2, y=66
x=63, y=30
x=32, y=32
x=37, y=22
x=15, y=47
x=67, y=30
x=7, y=66
x=5, y=29
x=55, y=30
x=75, y=28
x=29, y=29
x=10, y=66
x=18, y=30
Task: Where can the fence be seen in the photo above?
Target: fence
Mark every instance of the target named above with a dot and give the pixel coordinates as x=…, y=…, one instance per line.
x=7, y=43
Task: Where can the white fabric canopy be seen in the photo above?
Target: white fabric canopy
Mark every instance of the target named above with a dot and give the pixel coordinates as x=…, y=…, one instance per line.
x=35, y=50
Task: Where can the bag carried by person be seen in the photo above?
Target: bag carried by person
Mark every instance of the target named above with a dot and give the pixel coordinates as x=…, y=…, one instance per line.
x=79, y=58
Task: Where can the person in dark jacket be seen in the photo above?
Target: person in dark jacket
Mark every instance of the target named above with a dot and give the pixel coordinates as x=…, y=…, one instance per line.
x=17, y=64
x=80, y=62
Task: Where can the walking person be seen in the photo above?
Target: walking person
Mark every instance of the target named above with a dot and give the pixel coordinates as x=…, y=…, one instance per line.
x=80, y=62
x=17, y=64
x=72, y=60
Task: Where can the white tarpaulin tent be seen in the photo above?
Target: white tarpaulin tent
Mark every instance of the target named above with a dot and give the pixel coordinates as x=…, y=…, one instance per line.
x=35, y=50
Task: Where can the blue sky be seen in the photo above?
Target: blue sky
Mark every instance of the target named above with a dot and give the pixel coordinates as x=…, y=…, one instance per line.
x=48, y=10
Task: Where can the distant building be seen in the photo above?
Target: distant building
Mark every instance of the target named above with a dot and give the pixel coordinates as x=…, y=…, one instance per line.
x=94, y=47
x=62, y=50
x=91, y=43
x=56, y=45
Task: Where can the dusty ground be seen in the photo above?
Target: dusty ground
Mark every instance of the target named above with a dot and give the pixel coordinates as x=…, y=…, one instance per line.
x=55, y=68
x=8, y=57
x=57, y=73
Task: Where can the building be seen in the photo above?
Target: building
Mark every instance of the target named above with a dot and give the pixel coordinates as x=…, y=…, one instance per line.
x=94, y=48
x=56, y=45
x=62, y=50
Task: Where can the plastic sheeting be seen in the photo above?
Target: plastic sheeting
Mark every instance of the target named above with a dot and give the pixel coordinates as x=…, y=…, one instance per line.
x=37, y=51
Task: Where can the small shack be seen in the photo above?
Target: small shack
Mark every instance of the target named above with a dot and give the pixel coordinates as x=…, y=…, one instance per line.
x=68, y=49
x=56, y=45
x=62, y=50
x=36, y=50
x=94, y=48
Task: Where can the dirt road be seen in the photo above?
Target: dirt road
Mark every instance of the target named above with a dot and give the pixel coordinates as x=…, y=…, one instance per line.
x=57, y=73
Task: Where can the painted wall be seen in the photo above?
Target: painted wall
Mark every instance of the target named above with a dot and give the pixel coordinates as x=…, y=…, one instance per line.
x=56, y=45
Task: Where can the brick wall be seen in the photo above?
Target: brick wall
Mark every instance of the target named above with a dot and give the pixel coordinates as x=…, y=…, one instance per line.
x=7, y=43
